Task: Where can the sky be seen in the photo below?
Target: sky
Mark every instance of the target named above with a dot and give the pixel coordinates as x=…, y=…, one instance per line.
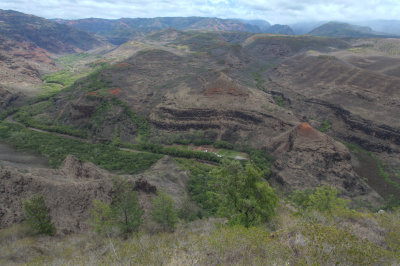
x=274, y=11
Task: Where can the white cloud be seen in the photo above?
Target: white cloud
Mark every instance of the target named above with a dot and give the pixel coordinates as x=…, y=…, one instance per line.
x=275, y=11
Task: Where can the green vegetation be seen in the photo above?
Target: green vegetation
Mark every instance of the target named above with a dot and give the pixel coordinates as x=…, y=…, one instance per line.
x=26, y=114
x=49, y=90
x=262, y=161
x=345, y=238
x=173, y=151
x=325, y=126
x=37, y=215
x=57, y=148
x=259, y=81
x=101, y=217
x=232, y=191
x=323, y=199
x=201, y=184
x=124, y=213
x=242, y=196
x=139, y=120
x=70, y=60
x=55, y=82
x=327, y=57
x=190, y=212
x=64, y=78
x=163, y=211
x=380, y=165
x=221, y=144
x=125, y=206
x=279, y=101
x=5, y=113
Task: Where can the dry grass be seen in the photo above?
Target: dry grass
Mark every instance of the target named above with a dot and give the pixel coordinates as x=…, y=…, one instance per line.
x=347, y=237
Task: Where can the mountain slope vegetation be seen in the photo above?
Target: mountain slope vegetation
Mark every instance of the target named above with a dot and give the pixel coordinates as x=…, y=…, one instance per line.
x=260, y=148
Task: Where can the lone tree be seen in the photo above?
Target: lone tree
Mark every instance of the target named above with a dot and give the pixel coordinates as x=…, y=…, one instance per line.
x=125, y=206
x=164, y=212
x=244, y=198
x=37, y=215
x=124, y=212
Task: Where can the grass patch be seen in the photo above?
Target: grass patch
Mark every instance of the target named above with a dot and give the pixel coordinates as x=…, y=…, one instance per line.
x=49, y=90
x=279, y=101
x=259, y=80
x=57, y=148
x=64, y=77
x=325, y=126
x=70, y=60
x=380, y=165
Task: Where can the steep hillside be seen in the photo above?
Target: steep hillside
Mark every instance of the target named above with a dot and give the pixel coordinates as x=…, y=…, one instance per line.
x=28, y=46
x=338, y=29
x=351, y=104
x=200, y=82
x=45, y=34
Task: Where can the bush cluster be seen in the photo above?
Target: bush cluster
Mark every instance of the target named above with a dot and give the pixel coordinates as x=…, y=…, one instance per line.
x=57, y=148
x=323, y=199
x=37, y=215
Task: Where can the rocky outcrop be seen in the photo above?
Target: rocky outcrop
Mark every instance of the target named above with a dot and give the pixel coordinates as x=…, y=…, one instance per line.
x=307, y=158
x=69, y=193
x=7, y=98
x=74, y=168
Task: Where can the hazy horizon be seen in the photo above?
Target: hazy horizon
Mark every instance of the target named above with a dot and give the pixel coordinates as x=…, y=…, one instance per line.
x=275, y=11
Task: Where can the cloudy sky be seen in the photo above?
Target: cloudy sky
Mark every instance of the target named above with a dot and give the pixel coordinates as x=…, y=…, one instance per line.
x=275, y=11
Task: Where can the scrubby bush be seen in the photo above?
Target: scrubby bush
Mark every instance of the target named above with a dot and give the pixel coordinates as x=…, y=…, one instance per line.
x=323, y=198
x=37, y=215
x=163, y=211
x=190, y=212
x=101, y=217
x=123, y=213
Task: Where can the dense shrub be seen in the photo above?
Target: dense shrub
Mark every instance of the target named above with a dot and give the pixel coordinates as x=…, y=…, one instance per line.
x=37, y=215
x=163, y=211
x=222, y=144
x=323, y=198
x=242, y=195
x=262, y=160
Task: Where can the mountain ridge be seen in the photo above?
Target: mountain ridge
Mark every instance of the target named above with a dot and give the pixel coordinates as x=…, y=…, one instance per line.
x=118, y=31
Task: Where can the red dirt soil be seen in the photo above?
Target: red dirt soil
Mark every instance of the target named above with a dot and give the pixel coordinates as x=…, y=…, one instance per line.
x=115, y=91
x=306, y=131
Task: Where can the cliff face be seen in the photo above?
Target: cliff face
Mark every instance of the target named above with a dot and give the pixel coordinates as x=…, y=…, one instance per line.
x=69, y=191
x=308, y=158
